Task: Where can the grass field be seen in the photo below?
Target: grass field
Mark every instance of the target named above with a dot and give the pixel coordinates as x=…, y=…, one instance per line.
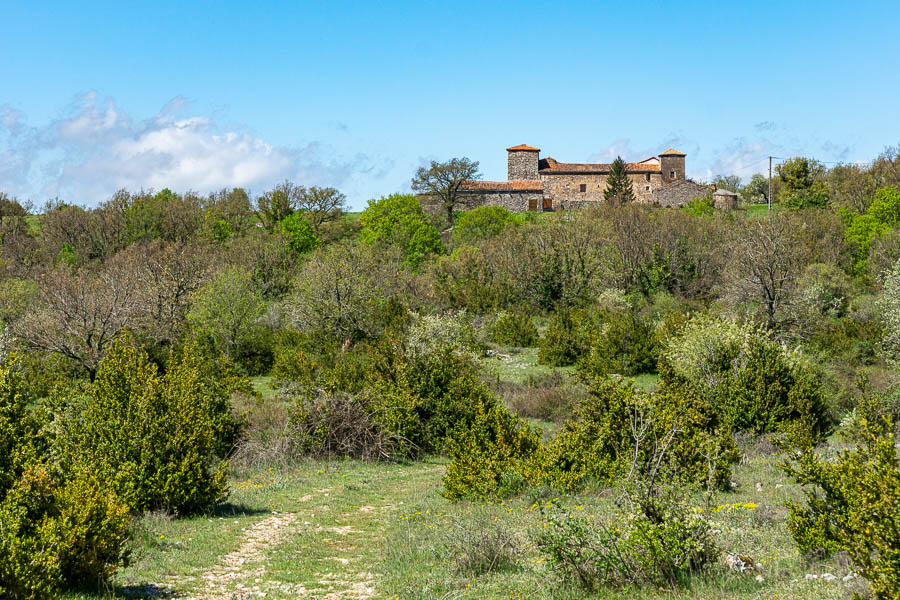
x=357, y=530
x=349, y=529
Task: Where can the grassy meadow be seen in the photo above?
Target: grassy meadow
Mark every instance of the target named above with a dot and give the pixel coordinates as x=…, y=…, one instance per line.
x=352, y=529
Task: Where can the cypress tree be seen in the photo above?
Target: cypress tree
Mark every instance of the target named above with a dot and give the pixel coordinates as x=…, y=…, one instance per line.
x=618, y=187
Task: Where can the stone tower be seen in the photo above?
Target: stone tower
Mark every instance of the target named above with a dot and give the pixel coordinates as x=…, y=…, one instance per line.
x=523, y=162
x=671, y=166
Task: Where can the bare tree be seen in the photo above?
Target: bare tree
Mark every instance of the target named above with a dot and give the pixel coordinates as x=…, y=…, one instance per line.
x=81, y=314
x=766, y=259
x=444, y=181
x=320, y=205
x=339, y=291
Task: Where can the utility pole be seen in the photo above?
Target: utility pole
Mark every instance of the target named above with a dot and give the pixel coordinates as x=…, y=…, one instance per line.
x=770, y=184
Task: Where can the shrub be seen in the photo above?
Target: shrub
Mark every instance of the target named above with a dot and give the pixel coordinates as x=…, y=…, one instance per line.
x=598, y=441
x=853, y=502
x=291, y=364
x=564, y=341
x=429, y=332
x=514, y=329
x=484, y=454
x=756, y=383
x=889, y=303
x=339, y=425
x=158, y=441
x=624, y=344
x=59, y=535
x=701, y=206
x=481, y=223
x=659, y=547
x=482, y=546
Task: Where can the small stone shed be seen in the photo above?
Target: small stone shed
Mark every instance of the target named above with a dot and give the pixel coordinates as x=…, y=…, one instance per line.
x=725, y=200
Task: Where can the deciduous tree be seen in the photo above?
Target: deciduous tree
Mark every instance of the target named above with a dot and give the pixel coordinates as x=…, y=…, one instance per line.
x=444, y=180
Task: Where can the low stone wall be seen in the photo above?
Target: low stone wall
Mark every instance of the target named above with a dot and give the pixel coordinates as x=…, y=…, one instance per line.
x=513, y=201
x=679, y=194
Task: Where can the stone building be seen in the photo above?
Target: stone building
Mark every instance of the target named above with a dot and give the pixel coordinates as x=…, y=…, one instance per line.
x=535, y=183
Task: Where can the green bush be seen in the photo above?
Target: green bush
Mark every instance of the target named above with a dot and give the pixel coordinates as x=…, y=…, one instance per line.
x=399, y=220
x=514, y=329
x=430, y=332
x=598, y=442
x=660, y=545
x=292, y=365
x=158, y=441
x=625, y=344
x=755, y=382
x=853, y=502
x=298, y=233
x=701, y=206
x=481, y=223
x=564, y=341
x=488, y=455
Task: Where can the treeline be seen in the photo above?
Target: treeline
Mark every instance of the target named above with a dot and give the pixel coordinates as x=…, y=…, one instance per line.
x=130, y=331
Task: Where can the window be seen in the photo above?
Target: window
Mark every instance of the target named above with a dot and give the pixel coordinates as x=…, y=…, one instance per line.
x=648, y=176
x=672, y=174
x=582, y=187
x=647, y=187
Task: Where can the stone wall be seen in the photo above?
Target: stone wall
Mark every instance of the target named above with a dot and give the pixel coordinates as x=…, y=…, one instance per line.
x=679, y=194
x=522, y=164
x=513, y=201
x=565, y=189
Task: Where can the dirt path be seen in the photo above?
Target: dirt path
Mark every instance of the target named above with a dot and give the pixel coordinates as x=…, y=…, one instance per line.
x=238, y=573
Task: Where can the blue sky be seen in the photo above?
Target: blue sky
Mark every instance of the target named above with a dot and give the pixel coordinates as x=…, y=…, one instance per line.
x=201, y=95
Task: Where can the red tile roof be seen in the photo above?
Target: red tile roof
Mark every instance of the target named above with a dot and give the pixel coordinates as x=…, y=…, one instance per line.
x=516, y=185
x=551, y=166
x=672, y=152
x=523, y=147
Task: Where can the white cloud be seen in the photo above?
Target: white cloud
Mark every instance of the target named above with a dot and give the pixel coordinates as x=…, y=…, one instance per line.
x=97, y=148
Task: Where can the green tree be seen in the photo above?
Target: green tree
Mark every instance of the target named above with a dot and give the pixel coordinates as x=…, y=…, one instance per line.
x=399, y=221
x=444, y=180
x=320, y=205
x=732, y=183
x=481, y=223
x=278, y=203
x=803, y=184
x=757, y=190
x=618, y=186
x=299, y=234
x=226, y=308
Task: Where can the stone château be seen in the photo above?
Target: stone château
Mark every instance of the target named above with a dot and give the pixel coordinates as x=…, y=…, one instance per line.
x=535, y=183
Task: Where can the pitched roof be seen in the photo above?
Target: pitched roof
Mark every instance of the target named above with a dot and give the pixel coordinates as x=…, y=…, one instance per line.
x=523, y=147
x=516, y=185
x=551, y=166
x=672, y=152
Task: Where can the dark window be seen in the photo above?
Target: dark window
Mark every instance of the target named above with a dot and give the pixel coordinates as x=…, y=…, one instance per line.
x=582, y=187
x=648, y=176
x=672, y=174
